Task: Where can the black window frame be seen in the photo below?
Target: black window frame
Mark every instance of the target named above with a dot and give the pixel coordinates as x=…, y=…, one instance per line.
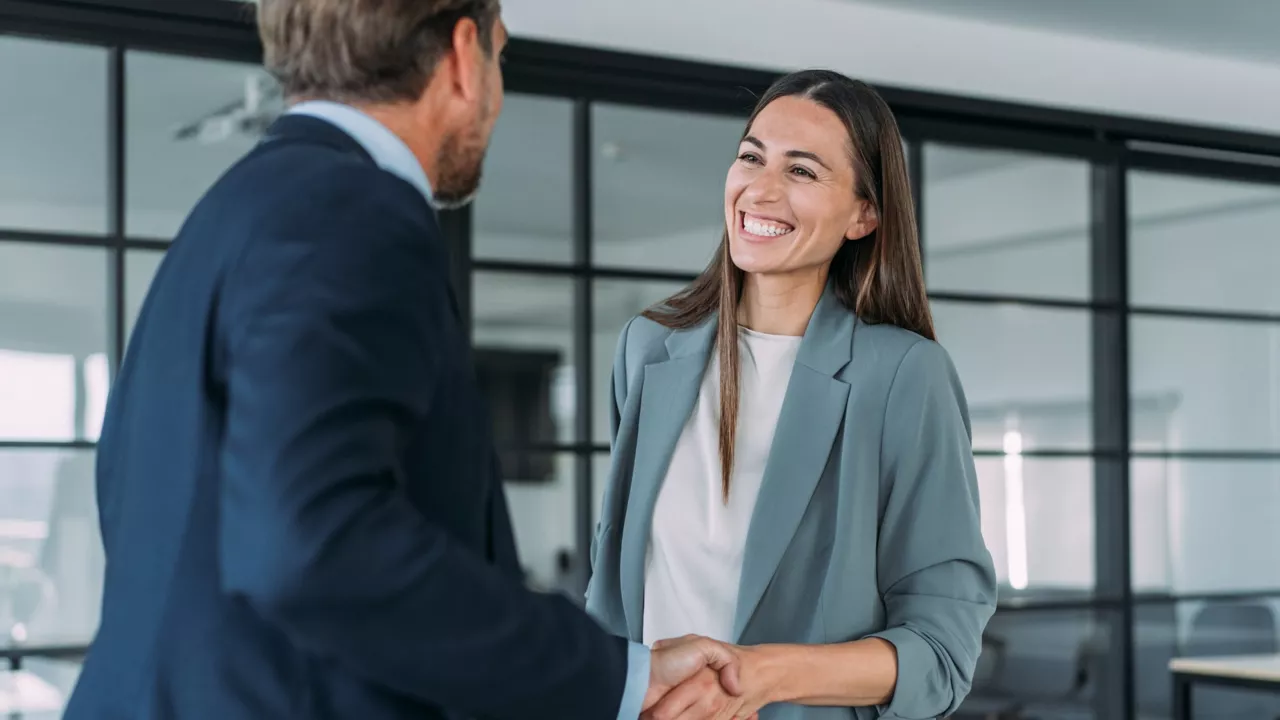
x=1113, y=145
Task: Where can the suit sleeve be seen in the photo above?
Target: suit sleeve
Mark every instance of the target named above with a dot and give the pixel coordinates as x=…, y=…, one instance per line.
x=339, y=330
x=935, y=574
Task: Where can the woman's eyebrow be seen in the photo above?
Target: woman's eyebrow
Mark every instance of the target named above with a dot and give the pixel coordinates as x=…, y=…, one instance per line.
x=804, y=154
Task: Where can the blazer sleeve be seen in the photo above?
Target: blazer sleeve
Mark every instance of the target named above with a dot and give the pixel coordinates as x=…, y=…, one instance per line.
x=337, y=331
x=934, y=571
x=618, y=382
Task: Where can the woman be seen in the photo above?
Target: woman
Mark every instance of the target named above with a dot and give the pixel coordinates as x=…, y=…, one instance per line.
x=792, y=468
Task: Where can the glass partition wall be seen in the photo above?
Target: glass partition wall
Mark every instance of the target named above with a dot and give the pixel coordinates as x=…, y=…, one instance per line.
x=1109, y=305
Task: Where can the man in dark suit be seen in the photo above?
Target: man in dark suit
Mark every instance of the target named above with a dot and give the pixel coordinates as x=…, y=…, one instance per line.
x=298, y=498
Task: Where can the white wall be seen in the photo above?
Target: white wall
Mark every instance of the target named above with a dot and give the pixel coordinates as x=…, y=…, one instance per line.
x=921, y=51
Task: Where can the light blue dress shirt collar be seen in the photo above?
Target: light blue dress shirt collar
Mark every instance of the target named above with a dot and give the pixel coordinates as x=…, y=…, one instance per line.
x=392, y=155
x=384, y=146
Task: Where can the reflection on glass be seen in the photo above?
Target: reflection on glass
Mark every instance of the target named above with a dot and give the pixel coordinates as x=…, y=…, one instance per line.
x=999, y=222
x=140, y=267
x=1206, y=385
x=53, y=136
x=658, y=186
x=543, y=514
x=189, y=120
x=616, y=302
x=525, y=208
x=53, y=316
x=1038, y=523
x=1046, y=664
x=1206, y=244
x=523, y=334
x=51, y=561
x=1201, y=629
x=39, y=691
x=1204, y=526
x=97, y=384
x=1023, y=369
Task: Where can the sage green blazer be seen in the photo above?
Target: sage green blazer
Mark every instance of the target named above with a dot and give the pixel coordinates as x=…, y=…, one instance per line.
x=867, y=519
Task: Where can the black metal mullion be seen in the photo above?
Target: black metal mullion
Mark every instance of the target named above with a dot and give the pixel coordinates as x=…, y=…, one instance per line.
x=1116, y=696
x=50, y=238
x=80, y=444
x=116, y=133
x=583, y=323
x=915, y=175
x=1204, y=314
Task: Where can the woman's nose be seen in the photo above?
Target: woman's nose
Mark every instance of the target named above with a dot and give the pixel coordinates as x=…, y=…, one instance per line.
x=764, y=187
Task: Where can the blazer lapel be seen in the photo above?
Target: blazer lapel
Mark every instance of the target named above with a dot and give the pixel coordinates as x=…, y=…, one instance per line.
x=667, y=396
x=812, y=412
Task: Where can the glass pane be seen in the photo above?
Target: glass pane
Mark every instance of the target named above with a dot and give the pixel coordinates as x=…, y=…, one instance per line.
x=1023, y=369
x=1199, y=629
x=39, y=691
x=188, y=121
x=140, y=267
x=616, y=302
x=524, y=355
x=53, y=318
x=1046, y=664
x=1203, y=526
x=1205, y=384
x=525, y=208
x=1202, y=243
x=1038, y=523
x=998, y=222
x=51, y=562
x=542, y=512
x=53, y=136
x=658, y=186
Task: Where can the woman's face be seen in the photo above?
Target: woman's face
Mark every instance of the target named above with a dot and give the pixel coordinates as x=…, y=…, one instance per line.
x=789, y=198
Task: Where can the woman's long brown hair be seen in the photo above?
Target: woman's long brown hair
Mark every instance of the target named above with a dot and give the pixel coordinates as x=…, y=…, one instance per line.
x=878, y=276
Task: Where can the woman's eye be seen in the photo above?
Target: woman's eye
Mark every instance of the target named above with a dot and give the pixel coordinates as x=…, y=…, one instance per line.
x=803, y=172
x=749, y=158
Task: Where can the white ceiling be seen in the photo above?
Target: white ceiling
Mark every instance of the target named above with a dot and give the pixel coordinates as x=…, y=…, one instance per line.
x=1243, y=29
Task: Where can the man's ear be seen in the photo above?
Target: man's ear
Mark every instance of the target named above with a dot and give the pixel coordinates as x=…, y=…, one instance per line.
x=462, y=61
x=863, y=223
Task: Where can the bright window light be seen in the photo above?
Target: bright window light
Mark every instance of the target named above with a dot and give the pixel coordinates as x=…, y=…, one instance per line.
x=1015, y=510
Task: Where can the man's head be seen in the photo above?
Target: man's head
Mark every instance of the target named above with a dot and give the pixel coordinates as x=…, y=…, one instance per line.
x=429, y=69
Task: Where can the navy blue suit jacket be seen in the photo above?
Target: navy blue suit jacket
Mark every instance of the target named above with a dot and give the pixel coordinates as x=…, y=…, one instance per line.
x=299, y=504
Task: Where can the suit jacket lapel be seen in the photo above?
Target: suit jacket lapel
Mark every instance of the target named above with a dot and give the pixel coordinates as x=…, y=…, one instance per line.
x=812, y=413
x=667, y=397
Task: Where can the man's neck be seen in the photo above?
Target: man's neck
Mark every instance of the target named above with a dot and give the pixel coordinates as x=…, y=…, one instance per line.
x=423, y=142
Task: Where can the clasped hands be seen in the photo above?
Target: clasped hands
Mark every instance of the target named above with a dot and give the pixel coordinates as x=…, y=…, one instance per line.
x=696, y=678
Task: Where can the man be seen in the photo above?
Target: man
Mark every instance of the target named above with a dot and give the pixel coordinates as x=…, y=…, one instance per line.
x=298, y=497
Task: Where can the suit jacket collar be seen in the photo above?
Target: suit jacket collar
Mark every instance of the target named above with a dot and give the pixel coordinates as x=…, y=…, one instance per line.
x=304, y=128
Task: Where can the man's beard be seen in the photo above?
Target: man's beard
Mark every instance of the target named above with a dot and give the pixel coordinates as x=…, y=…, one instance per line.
x=459, y=165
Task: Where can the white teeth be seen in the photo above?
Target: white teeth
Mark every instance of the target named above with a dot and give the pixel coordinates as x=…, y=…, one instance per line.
x=755, y=227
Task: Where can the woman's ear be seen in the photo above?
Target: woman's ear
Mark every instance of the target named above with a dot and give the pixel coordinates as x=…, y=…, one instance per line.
x=863, y=223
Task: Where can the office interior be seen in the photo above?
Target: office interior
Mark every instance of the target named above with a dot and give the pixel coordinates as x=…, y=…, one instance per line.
x=1101, y=271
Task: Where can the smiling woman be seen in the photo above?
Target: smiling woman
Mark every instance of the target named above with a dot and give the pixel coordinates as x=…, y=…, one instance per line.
x=777, y=484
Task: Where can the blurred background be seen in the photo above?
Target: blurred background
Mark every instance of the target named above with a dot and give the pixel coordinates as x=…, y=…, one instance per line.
x=1098, y=188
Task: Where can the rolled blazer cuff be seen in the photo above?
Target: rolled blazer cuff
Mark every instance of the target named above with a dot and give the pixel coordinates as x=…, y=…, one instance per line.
x=924, y=690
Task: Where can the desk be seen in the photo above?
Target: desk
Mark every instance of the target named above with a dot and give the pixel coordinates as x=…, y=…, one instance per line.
x=1256, y=672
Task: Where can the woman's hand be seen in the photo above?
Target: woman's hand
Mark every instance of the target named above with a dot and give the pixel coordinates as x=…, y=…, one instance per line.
x=702, y=697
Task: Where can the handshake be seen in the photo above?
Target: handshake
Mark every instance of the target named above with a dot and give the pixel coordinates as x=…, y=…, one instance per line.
x=696, y=678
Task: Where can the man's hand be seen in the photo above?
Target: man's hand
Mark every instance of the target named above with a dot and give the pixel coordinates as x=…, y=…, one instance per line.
x=705, y=694
x=674, y=662
x=699, y=698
